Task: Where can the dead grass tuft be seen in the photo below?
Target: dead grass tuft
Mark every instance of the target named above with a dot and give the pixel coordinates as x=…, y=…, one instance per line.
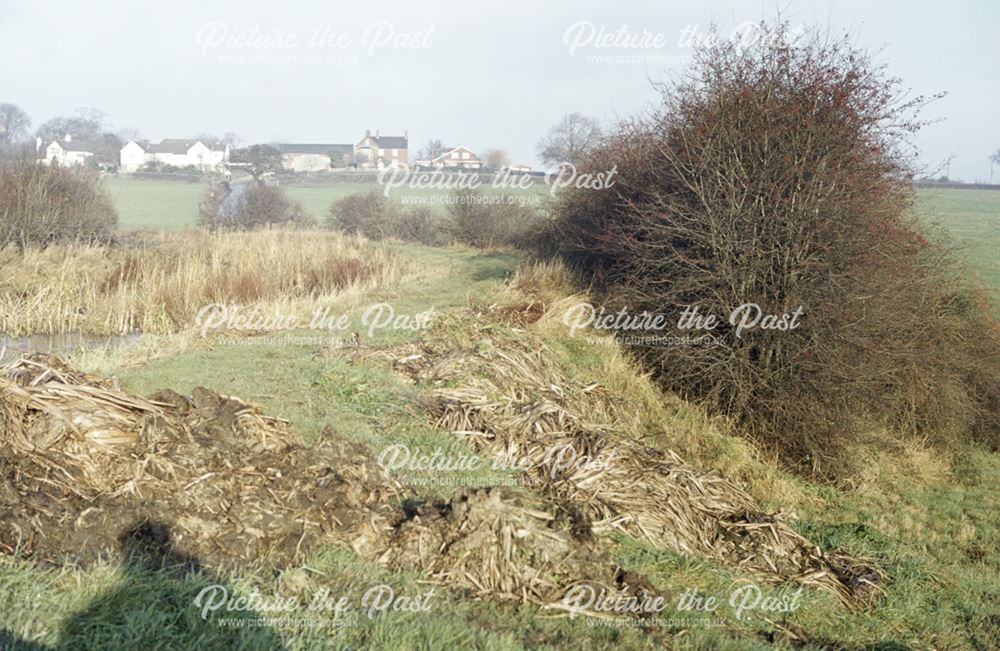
x=158, y=285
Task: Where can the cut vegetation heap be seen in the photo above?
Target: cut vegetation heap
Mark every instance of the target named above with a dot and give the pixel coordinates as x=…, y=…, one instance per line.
x=506, y=399
x=82, y=463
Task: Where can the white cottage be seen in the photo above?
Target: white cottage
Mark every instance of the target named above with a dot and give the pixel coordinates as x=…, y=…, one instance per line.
x=175, y=152
x=66, y=152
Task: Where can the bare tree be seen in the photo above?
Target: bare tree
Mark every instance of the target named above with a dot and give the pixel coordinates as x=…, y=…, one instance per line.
x=258, y=160
x=569, y=139
x=78, y=127
x=496, y=159
x=14, y=124
x=233, y=140
x=95, y=115
x=431, y=150
x=127, y=134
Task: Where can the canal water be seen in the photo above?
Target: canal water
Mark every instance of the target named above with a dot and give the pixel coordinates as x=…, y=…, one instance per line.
x=61, y=344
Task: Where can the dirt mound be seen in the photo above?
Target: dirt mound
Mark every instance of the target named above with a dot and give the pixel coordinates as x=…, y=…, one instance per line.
x=509, y=401
x=82, y=461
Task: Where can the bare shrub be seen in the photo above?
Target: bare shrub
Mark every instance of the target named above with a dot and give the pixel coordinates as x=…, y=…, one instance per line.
x=487, y=220
x=254, y=205
x=371, y=214
x=42, y=204
x=377, y=217
x=422, y=225
x=780, y=174
x=211, y=203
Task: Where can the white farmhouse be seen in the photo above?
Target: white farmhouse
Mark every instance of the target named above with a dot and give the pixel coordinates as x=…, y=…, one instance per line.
x=66, y=152
x=175, y=152
x=132, y=157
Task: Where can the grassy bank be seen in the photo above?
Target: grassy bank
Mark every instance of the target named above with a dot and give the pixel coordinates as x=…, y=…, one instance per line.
x=928, y=520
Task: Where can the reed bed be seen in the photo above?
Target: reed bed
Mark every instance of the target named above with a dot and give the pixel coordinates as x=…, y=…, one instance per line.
x=159, y=283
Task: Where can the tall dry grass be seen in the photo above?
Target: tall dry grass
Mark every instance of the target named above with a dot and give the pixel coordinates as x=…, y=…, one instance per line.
x=158, y=284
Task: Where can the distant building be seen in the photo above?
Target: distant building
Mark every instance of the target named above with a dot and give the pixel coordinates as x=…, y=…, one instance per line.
x=176, y=152
x=376, y=152
x=453, y=158
x=519, y=169
x=66, y=152
x=314, y=157
x=132, y=157
x=102, y=151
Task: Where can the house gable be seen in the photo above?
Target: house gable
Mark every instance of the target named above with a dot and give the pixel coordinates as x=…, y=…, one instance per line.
x=455, y=154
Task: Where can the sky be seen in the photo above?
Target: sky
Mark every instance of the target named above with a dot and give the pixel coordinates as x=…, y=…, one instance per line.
x=484, y=75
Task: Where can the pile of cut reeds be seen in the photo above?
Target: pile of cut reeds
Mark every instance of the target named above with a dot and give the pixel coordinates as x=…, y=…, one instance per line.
x=507, y=399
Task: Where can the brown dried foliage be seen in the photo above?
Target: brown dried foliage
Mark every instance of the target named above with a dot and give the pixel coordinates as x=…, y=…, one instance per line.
x=42, y=204
x=780, y=174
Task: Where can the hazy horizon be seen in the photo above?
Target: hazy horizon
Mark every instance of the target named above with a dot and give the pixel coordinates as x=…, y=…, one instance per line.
x=492, y=76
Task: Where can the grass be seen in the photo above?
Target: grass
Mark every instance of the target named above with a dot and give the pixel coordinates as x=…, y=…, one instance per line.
x=170, y=204
x=972, y=218
x=154, y=204
x=930, y=520
x=931, y=523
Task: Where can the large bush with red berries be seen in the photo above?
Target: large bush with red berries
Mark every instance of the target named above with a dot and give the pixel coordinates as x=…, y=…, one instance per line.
x=780, y=174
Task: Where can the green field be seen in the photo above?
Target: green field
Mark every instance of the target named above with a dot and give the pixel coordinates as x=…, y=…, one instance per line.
x=146, y=203
x=970, y=217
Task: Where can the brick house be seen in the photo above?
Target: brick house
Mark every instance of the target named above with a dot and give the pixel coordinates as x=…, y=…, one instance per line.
x=377, y=152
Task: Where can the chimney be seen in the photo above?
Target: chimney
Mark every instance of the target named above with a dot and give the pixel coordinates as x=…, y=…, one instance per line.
x=68, y=138
x=406, y=134
x=368, y=133
x=38, y=143
x=376, y=133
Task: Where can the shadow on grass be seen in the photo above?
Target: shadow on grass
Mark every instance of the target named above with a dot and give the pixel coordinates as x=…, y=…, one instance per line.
x=154, y=606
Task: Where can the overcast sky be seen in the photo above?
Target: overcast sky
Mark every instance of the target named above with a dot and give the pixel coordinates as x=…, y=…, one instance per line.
x=488, y=74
